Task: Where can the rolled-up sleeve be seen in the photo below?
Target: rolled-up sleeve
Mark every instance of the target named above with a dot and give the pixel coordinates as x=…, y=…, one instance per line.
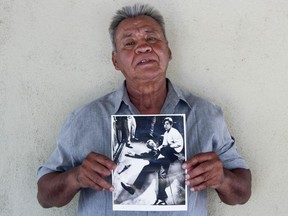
x=213, y=135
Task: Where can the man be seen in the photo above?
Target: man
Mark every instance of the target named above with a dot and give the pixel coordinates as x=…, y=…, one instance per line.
x=131, y=128
x=171, y=148
x=172, y=143
x=152, y=154
x=81, y=160
x=127, y=126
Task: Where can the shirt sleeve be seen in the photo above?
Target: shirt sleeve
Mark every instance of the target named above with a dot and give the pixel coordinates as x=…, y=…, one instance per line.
x=61, y=158
x=224, y=144
x=213, y=135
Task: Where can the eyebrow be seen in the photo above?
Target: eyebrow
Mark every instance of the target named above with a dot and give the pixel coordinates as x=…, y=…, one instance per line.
x=128, y=34
x=151, y=30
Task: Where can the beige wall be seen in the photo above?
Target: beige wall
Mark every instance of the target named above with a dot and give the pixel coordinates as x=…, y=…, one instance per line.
x=55, y=56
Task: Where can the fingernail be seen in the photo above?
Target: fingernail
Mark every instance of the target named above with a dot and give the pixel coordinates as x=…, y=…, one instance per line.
x=111, y=189
x=192, y=189
x=187, y=176
x=187, y=183
x=184, y=166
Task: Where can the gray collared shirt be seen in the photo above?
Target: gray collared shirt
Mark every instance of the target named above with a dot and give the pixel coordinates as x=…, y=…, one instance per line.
x=89, y=129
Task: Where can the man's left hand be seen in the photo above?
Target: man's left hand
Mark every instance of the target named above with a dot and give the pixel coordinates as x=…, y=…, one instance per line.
x=204, y=170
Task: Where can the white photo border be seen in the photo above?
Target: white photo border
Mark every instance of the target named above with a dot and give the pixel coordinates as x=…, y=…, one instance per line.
x=121, y=173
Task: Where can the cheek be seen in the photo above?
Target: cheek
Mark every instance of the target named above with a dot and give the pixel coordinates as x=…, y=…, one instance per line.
x=165, y=55
x=125, y=60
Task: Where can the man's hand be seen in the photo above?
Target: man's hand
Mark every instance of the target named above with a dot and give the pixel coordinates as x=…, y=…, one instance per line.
x=58, y=188
x=93, y=171
x=204, y=170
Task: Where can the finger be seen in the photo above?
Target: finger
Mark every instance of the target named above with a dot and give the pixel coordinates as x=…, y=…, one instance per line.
x=198, y=159
x=211, y=182
x=199, y=170
x=100, y=182
x=100, y=164
x=199, y=187
x=90, y=179
x=211, y=178
x=103, y=160
x=90, y=165
x=205, y=177
x=92, y=185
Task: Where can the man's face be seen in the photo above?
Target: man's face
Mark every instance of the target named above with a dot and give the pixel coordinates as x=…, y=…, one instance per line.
x=167, y=125
x=142, y=52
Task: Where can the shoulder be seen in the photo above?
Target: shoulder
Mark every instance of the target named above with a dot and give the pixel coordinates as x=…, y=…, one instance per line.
x=101, y=107
x=108, y=102
x=174, y=130
x=198, y=104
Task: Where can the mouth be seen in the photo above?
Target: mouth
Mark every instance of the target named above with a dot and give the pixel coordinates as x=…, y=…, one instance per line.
x=145, y=61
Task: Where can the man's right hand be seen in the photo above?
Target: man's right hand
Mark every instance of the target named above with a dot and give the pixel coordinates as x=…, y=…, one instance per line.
x=93, y=171
x=58, y=188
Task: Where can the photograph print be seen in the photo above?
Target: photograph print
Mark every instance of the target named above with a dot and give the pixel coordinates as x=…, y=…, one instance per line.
x=149, y=151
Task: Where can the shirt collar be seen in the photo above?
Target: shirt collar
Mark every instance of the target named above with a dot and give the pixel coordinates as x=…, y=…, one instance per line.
x=174, y=96
x=121, y=99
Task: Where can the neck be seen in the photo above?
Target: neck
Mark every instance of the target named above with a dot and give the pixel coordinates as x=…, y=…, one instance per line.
x=147, y=97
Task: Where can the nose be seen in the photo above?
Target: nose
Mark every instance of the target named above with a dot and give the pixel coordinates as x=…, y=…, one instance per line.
x=143, y=48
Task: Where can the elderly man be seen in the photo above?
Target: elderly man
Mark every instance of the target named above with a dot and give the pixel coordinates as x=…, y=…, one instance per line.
x=81, y=160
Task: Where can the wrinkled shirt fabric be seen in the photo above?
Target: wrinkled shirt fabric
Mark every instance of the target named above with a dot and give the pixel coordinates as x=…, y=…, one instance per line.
x=88, y=129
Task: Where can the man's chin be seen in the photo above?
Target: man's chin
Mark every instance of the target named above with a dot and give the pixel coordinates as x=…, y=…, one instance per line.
x=151, y=74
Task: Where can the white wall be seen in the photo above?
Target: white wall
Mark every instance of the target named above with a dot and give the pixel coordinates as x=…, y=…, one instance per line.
x=55, y=56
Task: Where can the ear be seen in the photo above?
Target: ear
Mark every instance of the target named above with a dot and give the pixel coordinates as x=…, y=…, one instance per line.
x=114, y=60
x=170, y=54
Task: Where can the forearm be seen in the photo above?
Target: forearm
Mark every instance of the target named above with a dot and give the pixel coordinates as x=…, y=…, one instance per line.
x=235, y=187
x=57, y=189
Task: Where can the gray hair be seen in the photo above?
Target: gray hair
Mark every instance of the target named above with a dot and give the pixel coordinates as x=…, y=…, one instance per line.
x=132, y=12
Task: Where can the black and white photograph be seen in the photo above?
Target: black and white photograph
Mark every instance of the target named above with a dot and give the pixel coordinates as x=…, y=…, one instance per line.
x=149, y=151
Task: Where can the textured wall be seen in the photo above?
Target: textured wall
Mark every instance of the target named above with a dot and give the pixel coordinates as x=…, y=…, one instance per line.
x=55, y=56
